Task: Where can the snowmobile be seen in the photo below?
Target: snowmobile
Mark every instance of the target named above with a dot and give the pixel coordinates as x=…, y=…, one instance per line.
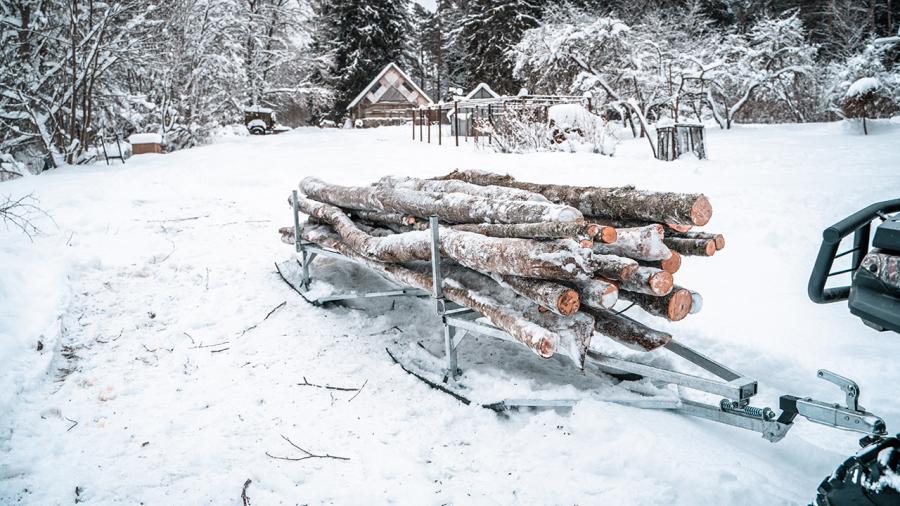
x=873, y=296
x=865, y=479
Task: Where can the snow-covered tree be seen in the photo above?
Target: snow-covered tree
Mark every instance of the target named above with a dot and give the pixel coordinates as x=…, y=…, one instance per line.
x=360, y=37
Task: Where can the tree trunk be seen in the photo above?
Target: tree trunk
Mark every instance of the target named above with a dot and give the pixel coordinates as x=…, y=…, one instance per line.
x=673, y=307
x=540, y=340
x=650, y=281
x=644, y=243
x=598, y=293
x=543, y=230
x=718, y=239
x=628, y=332
x=670, y=265
x=450, y=207
x=455, y=186
x=560, y=299
x=560, y=259
x=623, y=203
x=692, y=247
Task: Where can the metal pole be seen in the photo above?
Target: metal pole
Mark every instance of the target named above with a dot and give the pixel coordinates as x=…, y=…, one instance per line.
x=491, y=123
x=420, y=125
x=298, y=246
x=438, y=295
x=428, y=118
x=456, y=121
x=440, y=120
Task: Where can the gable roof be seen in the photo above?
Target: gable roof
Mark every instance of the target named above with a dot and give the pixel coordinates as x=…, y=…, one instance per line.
x=482, y=86
x=407, y=82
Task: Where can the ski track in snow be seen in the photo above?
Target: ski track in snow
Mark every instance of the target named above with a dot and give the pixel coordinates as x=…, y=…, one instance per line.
x=150, y=294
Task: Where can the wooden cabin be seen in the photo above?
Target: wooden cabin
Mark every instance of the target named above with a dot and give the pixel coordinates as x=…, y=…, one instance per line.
x=387, y=100
x=145, y=143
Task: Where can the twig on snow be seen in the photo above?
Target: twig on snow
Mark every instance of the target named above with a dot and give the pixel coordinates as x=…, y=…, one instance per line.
x=276, y=308
x=217, y=351
x=244, y=497
x=74, y=423
x=307, y=454
x=189, y=218
x=329, y=387
x=201, y=345
x=358, y=391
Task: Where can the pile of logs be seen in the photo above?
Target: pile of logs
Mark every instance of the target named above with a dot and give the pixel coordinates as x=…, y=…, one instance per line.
x=546, y=263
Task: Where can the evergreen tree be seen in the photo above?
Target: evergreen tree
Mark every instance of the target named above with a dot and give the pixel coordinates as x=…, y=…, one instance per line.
x=361, y=37
x=489, y=30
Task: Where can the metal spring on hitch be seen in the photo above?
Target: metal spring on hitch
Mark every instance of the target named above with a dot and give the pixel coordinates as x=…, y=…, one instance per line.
x=730, y=406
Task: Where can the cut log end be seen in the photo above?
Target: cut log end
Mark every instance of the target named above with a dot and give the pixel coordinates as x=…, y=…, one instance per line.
x=671, y=264
x=545, y=348
x=720, y=241
x=710, y=248
x=628, y=271
x=701, y=211
x=679, y=228
x=586, y=243
x=592, y=229
x=679, y=305
x=661, y=283
x=569, y=302
x=607, y=235
x=610, y=296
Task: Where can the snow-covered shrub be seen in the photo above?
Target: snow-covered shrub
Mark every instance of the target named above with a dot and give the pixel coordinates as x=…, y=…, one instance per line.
x=574, y=128
x=10, y=168
x=865, y=85
x=516, y=130
x=868, y=98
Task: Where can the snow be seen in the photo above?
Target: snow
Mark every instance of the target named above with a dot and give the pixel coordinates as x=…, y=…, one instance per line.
x=256, y=123
x=862, y=86
x=147, y=138
x=258, y=109
x=571, y=116
x=155, y=273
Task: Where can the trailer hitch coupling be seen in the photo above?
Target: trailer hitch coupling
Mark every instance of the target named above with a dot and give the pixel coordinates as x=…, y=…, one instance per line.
x=850, y=417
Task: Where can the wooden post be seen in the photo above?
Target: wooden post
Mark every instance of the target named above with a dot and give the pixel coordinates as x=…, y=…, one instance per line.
x=421, y=127
x=412, y=112
x=428, y=119
x=491, y=123
x=440, y=120
x=456, y=121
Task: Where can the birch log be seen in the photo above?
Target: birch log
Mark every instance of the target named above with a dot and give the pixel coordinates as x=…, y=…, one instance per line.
x=670, y=265
x=692, y=247
x=455, y=186
x=623, y=203
x=642, y=243
x=560, y=299
x=449, y=207
x=718, y=239
x=598, y=293
x=559, y=259
x=673, y=307
x=628, y=332
x=650, y=281
x=540, y=340
x=543, y=230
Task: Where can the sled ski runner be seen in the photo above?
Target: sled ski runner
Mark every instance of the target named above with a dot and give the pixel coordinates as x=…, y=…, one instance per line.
x=736, y=390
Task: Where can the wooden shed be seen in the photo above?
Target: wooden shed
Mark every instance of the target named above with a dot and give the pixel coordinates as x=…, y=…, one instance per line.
x=387, y=99
x=145, y=143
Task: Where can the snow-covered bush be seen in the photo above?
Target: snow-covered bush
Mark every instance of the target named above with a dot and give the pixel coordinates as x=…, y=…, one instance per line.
x=574, y=128
x=865, y=85
x=10, y=168
x=516, y=130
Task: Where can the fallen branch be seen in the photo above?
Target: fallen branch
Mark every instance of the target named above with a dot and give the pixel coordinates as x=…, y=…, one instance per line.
x=329, y=387
x=244, y=498
x=307, y=454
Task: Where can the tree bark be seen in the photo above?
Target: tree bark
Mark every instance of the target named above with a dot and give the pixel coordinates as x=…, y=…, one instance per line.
x=559, y=259
x=670, y=265
x=623, y=203
x=560, y=299
x=718, y=239
x=628, y=332
x=692, y=247
x=673, y=307
x=449, y=207
x=542, y=230
x=650, y=281
x=598, y=293
x=538, y=339
x=405, y=220
x=644, y=243
x=454, y=186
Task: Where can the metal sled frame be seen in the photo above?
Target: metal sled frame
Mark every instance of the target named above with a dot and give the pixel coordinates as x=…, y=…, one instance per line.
x=735, y=389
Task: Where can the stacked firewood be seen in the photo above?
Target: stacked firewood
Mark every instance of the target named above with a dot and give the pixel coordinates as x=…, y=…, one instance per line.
x=545, y=263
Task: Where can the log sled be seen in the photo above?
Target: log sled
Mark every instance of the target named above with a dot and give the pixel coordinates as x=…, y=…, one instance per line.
x=579, y=276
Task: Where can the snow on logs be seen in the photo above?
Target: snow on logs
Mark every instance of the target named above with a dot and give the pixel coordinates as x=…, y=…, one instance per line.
x=546, y=263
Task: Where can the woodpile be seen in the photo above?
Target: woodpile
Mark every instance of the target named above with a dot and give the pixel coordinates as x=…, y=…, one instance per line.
x=545, y=263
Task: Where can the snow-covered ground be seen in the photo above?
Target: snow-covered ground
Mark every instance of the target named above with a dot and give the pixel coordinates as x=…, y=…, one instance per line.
x=161, y=380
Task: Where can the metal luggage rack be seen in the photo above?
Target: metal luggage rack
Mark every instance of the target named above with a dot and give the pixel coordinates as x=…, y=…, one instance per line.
x=735, y=389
